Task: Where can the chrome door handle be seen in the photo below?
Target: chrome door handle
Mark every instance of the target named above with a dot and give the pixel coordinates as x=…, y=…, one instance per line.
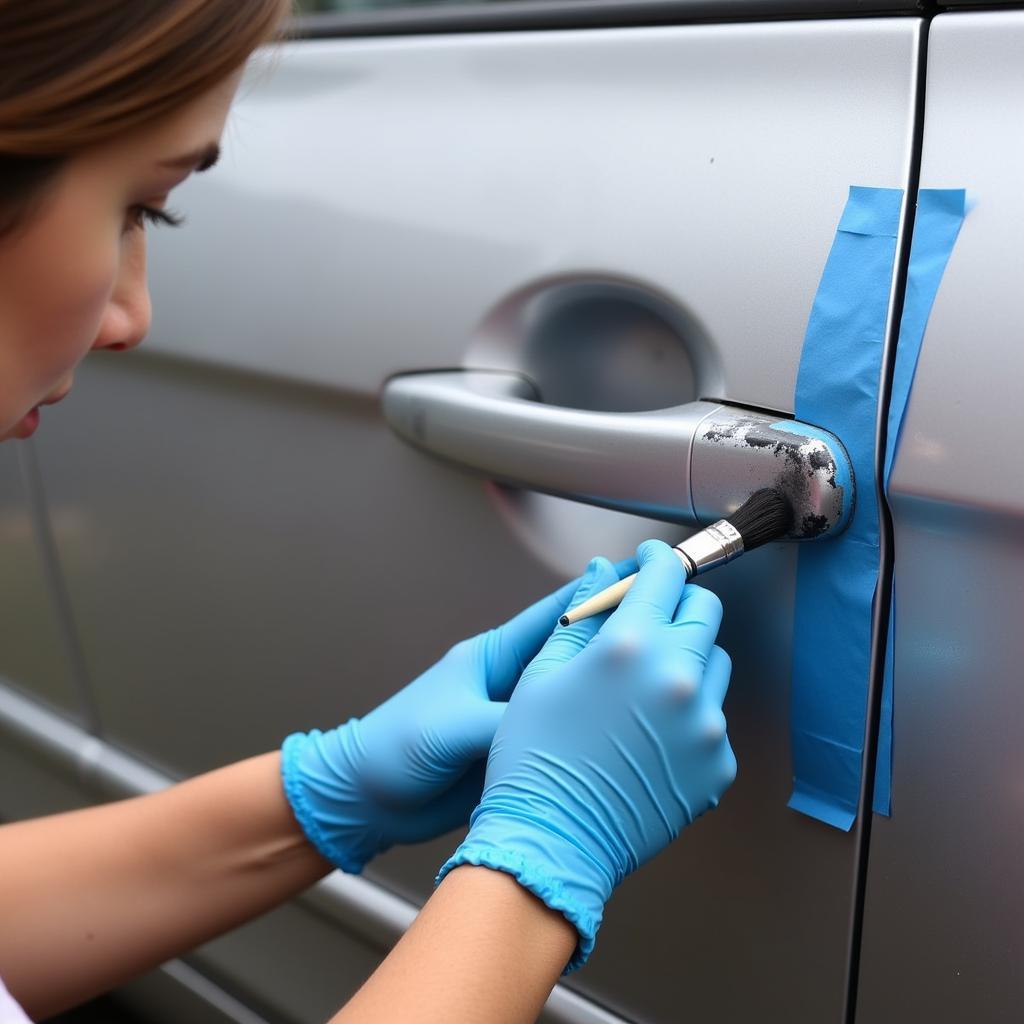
x=692, y=463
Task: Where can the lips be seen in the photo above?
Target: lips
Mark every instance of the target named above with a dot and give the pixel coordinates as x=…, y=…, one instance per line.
x=27, y=425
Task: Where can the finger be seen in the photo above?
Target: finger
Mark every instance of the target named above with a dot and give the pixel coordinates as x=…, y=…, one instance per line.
x=567, y=641
x=511, y=647
x=696, y=621
x=658, y=586
x=716, y=676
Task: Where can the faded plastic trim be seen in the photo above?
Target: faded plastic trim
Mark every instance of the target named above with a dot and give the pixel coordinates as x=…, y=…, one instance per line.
x=520, y=15
x=209, y=994
x=367, y=910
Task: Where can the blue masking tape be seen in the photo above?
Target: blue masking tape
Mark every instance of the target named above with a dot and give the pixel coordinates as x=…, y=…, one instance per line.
x=940, y=212
x=836, y=580
x=837, y=388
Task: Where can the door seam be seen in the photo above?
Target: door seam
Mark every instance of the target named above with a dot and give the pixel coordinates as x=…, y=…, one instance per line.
x=883, y=601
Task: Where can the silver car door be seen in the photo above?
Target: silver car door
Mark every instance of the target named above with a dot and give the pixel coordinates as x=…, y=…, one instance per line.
x=637, y=216
x=37, y=660
x=944, y=916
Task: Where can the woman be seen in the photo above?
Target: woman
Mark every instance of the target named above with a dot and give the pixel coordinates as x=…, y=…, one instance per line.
x=105, y=107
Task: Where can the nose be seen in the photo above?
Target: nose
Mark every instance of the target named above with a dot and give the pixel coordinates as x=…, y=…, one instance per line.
x=128, y=312
x=125, y=321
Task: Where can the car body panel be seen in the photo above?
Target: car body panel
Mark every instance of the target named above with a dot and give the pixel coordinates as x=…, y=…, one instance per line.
x=246, y=545
x=410, y=186
x=944, y=915
x=33, y=652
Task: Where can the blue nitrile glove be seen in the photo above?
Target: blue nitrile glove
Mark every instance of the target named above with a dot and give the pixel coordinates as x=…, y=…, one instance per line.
x=412, y=768
x=613, y=740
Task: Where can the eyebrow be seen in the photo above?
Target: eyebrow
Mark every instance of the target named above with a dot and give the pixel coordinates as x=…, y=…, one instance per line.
x=198, y=160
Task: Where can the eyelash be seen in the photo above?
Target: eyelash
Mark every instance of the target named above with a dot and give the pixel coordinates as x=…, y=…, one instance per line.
x=141, y=215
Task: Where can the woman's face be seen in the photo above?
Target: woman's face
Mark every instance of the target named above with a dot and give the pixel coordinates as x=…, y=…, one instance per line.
x=73, y=276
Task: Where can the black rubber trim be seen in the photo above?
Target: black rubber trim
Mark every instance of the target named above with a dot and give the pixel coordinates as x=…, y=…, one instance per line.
x=518, y=15
x=975, y=5
x=887, y=554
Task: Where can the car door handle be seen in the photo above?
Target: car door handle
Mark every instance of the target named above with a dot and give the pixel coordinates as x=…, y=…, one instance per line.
x=693, y=463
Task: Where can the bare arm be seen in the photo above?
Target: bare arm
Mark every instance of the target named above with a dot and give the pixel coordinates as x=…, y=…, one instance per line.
x=483, y=950
x=97, y=896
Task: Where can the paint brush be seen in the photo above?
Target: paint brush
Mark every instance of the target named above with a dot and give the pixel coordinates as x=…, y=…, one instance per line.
x=766, y=515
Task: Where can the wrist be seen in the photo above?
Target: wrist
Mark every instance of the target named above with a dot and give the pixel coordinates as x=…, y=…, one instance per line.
x=545, y=861
x=482, y=949
x=512, y=908
x=321, y=786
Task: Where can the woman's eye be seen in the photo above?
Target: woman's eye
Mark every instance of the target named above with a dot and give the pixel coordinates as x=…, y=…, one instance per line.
x=140, y=215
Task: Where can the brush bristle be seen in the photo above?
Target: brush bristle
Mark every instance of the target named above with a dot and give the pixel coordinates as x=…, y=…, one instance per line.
x=766, y=515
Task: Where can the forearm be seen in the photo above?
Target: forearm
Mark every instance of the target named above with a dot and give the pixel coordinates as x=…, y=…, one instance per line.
x=94, y=897
x=483, y=950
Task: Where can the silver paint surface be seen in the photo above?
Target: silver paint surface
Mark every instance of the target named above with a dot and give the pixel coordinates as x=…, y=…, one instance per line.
x=736, y=453
x=944, y=921
x=662, y=463
x=33, y=655
x=414, y=186
x=233, y=513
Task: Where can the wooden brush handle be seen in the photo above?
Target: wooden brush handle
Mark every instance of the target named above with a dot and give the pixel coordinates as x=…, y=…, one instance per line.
x=607, y=598
x=610, y=597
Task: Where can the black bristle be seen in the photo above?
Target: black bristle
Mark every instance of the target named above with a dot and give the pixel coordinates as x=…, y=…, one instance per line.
x=766, y=515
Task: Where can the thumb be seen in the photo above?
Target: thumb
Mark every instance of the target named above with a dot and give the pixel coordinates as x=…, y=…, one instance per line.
x=566, y=642
x=509, y=648
x=479, y=725
x=658, y=585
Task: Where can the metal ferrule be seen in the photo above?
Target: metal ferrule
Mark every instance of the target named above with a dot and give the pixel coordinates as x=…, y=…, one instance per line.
x=715, y=545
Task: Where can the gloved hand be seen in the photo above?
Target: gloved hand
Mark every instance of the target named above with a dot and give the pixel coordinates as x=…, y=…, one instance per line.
x=613, y=740
x=412, y=768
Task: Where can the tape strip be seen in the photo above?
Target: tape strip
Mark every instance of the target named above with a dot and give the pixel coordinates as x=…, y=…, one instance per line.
x=940, y=213
x=837, y=388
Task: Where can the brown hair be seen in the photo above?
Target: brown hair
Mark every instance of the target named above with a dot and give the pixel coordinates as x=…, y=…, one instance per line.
x=74, y=73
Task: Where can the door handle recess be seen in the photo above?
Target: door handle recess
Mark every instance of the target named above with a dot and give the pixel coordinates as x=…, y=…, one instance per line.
x=693, y=463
